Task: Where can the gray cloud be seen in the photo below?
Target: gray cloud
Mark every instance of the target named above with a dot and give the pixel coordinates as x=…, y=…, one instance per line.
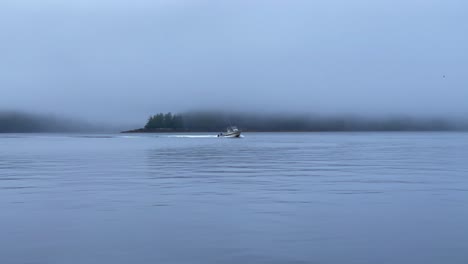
x=122, y=60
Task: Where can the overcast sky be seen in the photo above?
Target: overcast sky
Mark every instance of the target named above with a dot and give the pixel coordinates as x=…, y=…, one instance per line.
x=125, y=59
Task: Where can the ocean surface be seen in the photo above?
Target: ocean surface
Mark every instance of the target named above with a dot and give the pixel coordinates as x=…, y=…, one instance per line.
x=265, y=198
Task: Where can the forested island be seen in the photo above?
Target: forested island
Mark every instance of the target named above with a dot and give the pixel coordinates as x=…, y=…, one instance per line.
x=215, y=122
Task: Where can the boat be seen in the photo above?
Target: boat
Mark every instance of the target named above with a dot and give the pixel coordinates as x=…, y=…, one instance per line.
x=231, y=132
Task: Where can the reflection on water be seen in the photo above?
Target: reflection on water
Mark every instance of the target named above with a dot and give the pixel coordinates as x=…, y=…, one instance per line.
x=265, y=198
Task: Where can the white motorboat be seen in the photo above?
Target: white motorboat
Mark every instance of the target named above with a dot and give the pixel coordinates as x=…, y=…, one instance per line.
x=231, y=132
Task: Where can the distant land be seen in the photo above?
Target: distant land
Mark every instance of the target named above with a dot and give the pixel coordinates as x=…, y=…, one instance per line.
x=210, y=121
x=215, y=122
x=22, y=122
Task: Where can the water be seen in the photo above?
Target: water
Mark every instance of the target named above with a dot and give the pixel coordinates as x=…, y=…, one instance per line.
x=265, y=198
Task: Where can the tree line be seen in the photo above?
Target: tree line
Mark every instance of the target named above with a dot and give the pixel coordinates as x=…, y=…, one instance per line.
x=166, y=121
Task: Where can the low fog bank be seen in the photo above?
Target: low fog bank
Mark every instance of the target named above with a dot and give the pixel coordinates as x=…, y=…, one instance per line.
x=23, y=122
x=212, y=121
x=282, y=122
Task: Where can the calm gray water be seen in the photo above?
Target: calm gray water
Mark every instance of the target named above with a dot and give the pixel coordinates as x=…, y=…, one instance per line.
x=266, y=198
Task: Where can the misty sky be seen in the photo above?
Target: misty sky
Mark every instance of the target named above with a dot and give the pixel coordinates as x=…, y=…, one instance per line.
x=125, y=59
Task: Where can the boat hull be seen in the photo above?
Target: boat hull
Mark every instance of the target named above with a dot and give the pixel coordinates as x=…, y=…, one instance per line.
x=230, y=134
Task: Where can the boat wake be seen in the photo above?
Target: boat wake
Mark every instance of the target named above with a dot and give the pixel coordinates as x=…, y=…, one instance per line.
x=192, y=136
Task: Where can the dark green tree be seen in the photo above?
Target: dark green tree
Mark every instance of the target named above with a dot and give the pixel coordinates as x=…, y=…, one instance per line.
x=159, y=120
x=177, y=122
x=168, y=120
x=150, y=122
x=156, y=121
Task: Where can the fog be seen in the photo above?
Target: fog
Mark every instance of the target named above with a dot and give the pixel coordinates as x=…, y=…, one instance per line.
x=120, y=61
